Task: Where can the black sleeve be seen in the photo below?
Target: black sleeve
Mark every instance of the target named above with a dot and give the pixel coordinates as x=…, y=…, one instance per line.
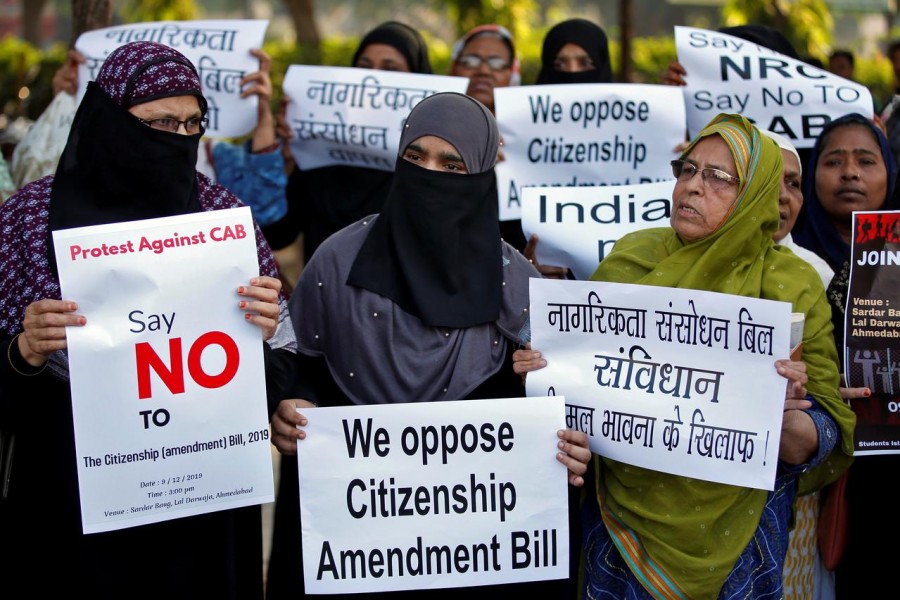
x=284, y=231
x=281, y=376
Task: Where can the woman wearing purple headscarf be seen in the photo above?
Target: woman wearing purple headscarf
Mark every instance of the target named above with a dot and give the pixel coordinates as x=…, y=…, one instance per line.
x=448, y=296
x=131, y=155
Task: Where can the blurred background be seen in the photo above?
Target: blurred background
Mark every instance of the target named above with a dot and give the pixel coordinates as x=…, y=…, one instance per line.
x=35, y=34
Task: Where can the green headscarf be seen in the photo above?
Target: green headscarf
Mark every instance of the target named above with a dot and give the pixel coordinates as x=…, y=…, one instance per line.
x=685, y=534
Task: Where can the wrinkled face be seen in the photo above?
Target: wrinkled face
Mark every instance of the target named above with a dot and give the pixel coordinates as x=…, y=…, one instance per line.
x=790, y=198
x=483, y=78
x=572, y=58
x=383, y=57
x=850, y=173
x=435, y=154
x=164, y=112
x=699, y=207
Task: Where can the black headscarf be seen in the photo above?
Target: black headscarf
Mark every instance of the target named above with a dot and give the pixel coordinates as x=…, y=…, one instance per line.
x=405, y=39
x=582, y=33
x=322, y=201
x=114, y=168
x=435, y=249
x=764, y=36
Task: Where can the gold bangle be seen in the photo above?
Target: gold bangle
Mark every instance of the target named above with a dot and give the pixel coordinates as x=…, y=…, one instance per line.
x=9, y=357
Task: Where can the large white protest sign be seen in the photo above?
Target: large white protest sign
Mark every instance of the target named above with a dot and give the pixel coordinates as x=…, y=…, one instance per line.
x=676, y=380
x=726, y=74
x=220, y=51
x=449, y=494
x=578, y=227
x=352, y=116
x=585, y=135
x=168, y=389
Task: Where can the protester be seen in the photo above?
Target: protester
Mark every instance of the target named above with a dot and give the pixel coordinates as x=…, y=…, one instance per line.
x=575, y=51
x=853, y=170
x=805, y=576
x=727, y=541
x=487, y=56
x=790, y=203
x=131, y=155
x=428, y=288
x=322, y=201
x=253, y=171
x=841, y=62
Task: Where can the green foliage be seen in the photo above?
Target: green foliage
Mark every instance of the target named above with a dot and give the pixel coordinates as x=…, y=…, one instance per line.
x=27, y=71
x=807, y=24
x=649, y=58
x=876, y=74
x=138, y=11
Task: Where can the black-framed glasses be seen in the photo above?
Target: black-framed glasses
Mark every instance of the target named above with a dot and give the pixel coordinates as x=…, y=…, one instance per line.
x=716, y=179
x=473, y=61
x=192, y=125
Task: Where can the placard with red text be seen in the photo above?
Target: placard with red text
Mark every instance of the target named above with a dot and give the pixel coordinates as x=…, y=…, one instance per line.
x=168, y=387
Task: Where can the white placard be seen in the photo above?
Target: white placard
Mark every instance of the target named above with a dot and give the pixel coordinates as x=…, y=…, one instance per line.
x=585, y=135
x=352, y=116
x=726, y=74
x=676, y=380
x=578, y=227
x=220, y=51
x=168, y=387
x=478, y=480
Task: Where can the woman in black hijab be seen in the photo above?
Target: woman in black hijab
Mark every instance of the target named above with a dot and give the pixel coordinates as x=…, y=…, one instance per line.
x=575, y=51
x=449, y=298
x=323, y=200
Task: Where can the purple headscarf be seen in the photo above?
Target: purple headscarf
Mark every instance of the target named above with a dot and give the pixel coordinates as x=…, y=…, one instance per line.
x=108, y=155
x=143, y=71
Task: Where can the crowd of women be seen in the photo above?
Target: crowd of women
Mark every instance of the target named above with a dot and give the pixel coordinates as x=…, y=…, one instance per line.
x=413, y=290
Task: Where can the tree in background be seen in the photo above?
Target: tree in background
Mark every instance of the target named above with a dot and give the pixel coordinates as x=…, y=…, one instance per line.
x=138, y=11
x=807, y=24
x=88, y=15
x=309, y=41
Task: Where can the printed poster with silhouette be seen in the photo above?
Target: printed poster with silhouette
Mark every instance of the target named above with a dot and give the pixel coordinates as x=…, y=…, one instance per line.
x=872, y=330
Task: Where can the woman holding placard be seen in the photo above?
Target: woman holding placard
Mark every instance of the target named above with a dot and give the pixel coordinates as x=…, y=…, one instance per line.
x=131, y=155
x=661, y=535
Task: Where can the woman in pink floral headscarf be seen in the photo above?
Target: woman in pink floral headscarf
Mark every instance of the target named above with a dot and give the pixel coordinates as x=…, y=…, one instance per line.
x=131, y=154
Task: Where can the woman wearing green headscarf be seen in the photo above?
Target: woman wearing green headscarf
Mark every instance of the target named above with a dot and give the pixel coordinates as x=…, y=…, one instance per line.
x=656, y=535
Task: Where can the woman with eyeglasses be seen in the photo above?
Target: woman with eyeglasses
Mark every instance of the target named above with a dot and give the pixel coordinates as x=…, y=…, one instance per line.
x=657, y=535
x=131, y=155
x=487, y=56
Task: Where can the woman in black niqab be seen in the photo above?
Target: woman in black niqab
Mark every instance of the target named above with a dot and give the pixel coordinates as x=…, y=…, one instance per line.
x=581, y=32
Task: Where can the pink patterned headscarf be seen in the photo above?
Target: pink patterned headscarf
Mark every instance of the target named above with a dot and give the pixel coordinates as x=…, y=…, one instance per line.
x=143, y=71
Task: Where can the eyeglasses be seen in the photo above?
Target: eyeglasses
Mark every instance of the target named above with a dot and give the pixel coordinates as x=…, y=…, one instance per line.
x=473, y=61
x=716, y=179
x=192, y=125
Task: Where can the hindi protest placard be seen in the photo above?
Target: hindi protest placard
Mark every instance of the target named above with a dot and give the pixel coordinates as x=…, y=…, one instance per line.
x=872, y=330
x=449, y=494
x=578, y=227
x=353, y=116
x=168, y=387
x=219, y=50
x=680, y=381
x=585, y=134
x=727, y=74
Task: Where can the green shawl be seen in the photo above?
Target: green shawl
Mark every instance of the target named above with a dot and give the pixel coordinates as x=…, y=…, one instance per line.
x=682, y=536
